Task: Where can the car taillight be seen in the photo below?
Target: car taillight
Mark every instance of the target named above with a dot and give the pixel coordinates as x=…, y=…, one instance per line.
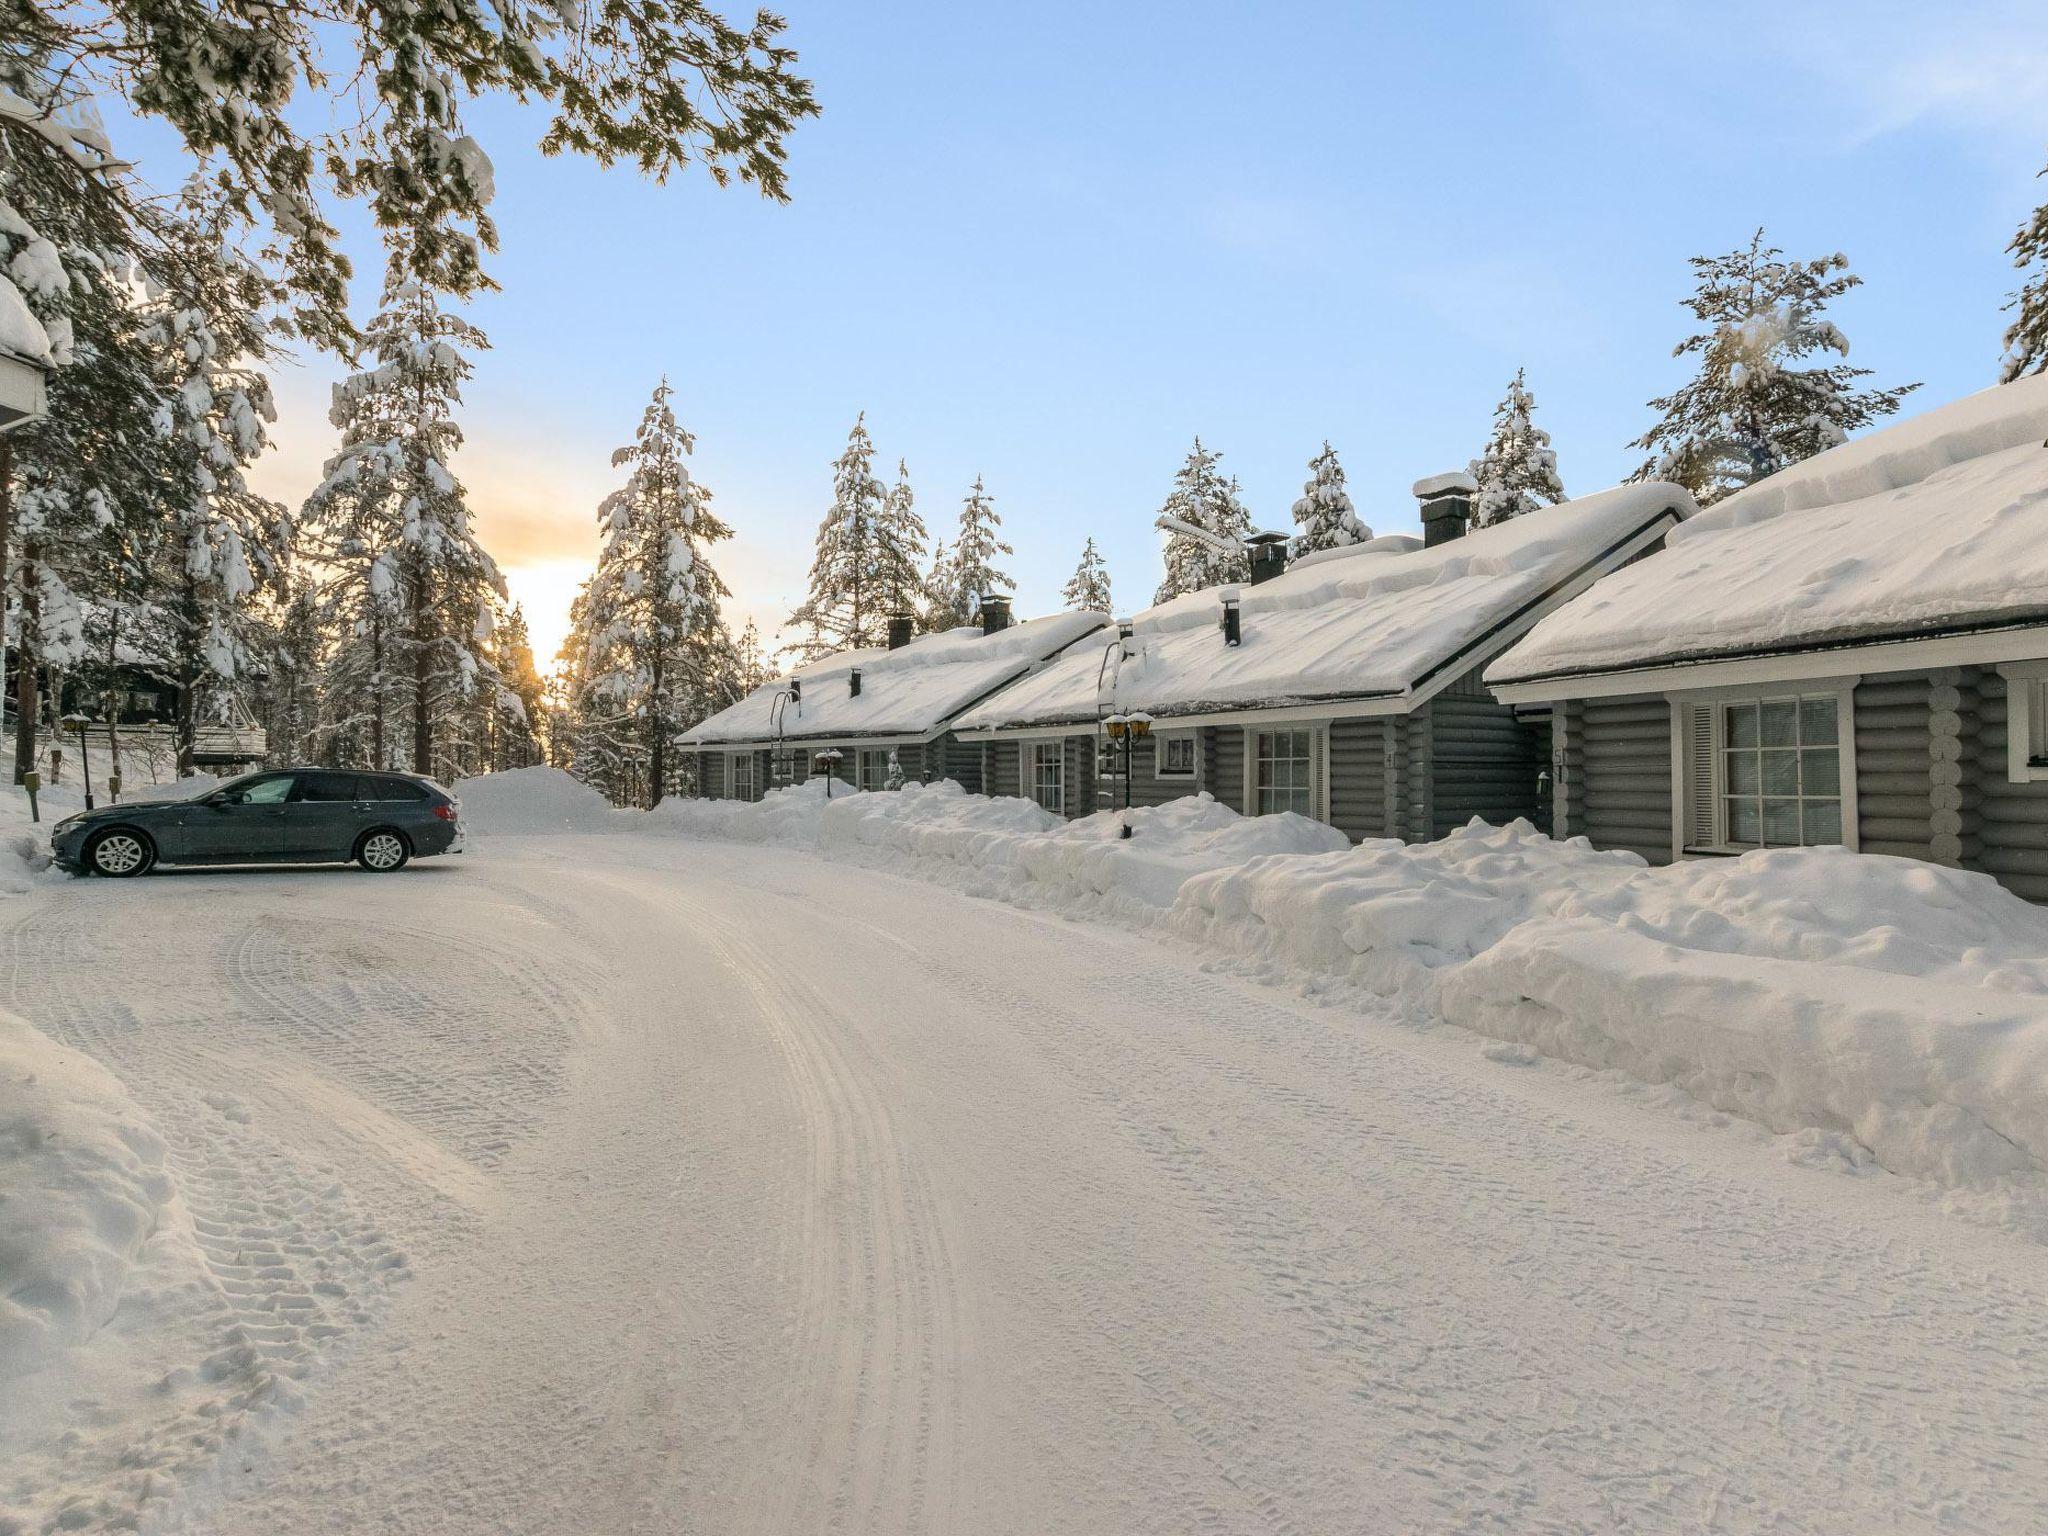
x=445, y=811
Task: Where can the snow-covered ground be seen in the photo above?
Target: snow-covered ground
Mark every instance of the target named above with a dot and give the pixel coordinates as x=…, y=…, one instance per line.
x=614, y=1178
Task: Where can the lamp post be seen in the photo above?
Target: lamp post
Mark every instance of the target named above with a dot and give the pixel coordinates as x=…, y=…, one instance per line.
x=829, y=761
x=1128, y=729
x=78, y=723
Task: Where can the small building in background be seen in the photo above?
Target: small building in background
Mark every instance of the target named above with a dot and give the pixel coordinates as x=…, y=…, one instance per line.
x=1345, y=687
x=866, y=706
x=1852, y=651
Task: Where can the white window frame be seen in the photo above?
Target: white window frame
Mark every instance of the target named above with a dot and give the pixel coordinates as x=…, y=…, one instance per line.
x=1160, y=742
x=733, y=761
x=1318, y=761
x=861, y=759
x=1717, y=700
x=1055, y=748
x=2026, y=721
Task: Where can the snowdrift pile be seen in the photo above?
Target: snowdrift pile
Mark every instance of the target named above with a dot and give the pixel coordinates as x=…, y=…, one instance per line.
x=1012, y=847
x=1891, y=1001
x=1895, y=1003
x=525, y=802
x=82, y=1188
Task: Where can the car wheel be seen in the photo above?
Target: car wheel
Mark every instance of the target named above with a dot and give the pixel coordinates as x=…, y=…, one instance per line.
x=382, y=851
x=119, y=854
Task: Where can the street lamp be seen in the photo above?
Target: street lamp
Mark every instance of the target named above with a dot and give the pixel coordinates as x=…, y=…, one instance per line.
x=828, y=760
x=1126, y=729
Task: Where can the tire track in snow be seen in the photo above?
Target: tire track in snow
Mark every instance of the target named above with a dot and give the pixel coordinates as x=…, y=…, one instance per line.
x=880, y=1297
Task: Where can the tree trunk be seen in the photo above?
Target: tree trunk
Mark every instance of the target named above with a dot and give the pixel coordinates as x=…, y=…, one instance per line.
x=6, y=541
x=376, y=687
x=657, y=743
x=26, y=654
x=188, y=677
x=422, y=668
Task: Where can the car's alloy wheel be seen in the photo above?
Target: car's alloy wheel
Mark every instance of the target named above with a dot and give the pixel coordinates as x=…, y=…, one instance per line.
x=382, y=852
x=120, y=853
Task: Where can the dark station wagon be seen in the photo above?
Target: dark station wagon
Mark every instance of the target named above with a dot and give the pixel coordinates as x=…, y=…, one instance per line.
x=276, y=816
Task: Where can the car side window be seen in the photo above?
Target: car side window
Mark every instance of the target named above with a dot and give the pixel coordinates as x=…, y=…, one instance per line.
x=396, y=789
x=269, y=791
x=325, y=788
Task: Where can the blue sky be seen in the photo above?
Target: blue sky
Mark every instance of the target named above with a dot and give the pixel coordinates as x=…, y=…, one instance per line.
x=1049, y=244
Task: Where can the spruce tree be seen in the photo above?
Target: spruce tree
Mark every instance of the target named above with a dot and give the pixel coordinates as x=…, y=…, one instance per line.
x=1751, y=409
x=79, y=489
x=1204, y=500
x=223, y=546
x=969, y=571
x=2026, y=339
x=410, y=584
x=1516, y=471
x=1087, y=590
x=1324, y=517
x=657, y=657
x=847, y=603
x=899, y=549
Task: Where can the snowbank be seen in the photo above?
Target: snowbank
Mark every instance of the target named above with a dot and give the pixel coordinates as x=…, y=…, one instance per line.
x=1888, y=1000
x=82, y=1188
x=1011, y=847
x=1893, y=1003
x=521, y=802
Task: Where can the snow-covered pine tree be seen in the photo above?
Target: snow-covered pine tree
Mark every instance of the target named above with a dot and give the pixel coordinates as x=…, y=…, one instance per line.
x=847, y=606
x=899, y=549
x=1517, y=470
x=223, y=544
x=969, y=571
x=409, y=582
x=656, y=648
x=659, y=86
x=750, y=661
x=287, y=702
x=1087, y=590
x=2026, y=339
x=1323, y=516
x=78, y=489
x=1751, y=410
x=1203, y=499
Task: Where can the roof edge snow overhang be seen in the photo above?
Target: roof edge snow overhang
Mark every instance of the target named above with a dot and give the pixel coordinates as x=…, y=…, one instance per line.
x=1494, y=639
x=774, y=744
x=2026, y=640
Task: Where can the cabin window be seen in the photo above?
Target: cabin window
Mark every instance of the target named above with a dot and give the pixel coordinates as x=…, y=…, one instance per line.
x=1770, y=771
x=1283, y=772
x=874, y=768
x=2026, y=721
x=744, y=782
x=1176, y=757
x=1045, y=774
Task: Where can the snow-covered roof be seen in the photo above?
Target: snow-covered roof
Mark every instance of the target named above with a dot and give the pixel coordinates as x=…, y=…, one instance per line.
x=1377, y=622
x=1933, y=526
x=911, y=691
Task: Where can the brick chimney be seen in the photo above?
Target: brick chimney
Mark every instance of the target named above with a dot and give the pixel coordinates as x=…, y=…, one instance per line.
x=1446, y=506
x=899, y=631
x=995, y=613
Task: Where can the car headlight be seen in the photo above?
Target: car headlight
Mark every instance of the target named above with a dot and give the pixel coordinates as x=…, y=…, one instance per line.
x=69, y=821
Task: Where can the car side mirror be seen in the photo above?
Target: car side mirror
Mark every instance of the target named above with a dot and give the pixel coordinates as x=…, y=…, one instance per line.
x=221, y=800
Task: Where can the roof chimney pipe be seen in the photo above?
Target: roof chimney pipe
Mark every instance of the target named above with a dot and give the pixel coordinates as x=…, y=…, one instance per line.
x=1268, y=556
x=1446, y=506
x=995, y=613
x=899, y=631
x=1233, y=618
x=853, y=682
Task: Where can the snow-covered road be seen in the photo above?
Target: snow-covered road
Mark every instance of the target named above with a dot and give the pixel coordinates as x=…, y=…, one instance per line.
x=631, y=1183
